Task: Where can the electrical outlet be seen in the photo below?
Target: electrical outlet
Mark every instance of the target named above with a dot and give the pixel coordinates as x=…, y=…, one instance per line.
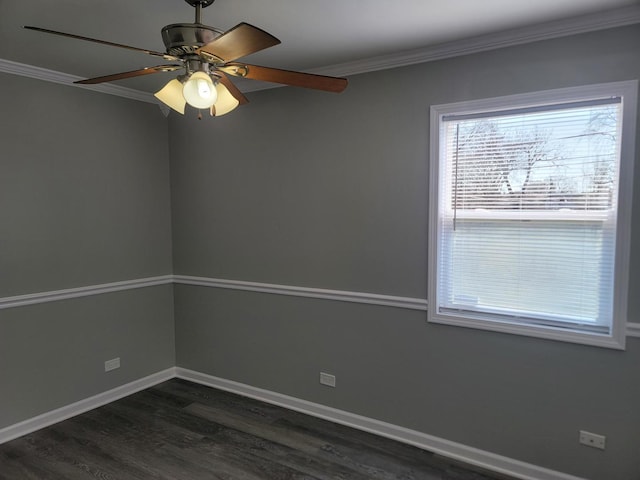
x=112, y=364
x=592, y=439
x=327, y=379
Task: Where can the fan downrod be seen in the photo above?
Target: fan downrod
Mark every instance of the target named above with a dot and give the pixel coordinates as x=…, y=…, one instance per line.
x=199, y=5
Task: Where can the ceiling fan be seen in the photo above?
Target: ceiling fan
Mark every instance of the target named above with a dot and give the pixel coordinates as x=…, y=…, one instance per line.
x=207, y=56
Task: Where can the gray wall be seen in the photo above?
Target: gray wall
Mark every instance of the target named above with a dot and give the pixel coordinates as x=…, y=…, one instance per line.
x=84, y=200
x=298, y=188
x=309, y=189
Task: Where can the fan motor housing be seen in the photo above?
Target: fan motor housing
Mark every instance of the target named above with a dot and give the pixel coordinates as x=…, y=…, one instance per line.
x=182, y=39
x=202, y=3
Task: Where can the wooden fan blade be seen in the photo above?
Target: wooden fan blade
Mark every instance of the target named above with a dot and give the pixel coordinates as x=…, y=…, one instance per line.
x=241, y=40
x=233, y=90
x=103, y=42
x=286, y=77
x=133, y=73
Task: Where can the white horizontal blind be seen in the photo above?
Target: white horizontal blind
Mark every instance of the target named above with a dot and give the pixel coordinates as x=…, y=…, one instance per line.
x=527, y=214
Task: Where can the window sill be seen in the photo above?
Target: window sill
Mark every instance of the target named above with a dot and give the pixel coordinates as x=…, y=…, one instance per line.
x=615, y=340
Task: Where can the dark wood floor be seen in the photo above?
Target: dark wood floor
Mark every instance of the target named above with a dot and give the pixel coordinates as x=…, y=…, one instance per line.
x=183, y=431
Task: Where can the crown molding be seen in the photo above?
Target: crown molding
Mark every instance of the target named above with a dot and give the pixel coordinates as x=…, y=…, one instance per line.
x=31, y=71
x=619, y=17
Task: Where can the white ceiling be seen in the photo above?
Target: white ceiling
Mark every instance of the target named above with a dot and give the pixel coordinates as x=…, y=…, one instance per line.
x=314, y=33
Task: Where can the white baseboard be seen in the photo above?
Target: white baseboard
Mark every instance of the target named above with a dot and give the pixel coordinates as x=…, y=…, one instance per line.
x=46, y=419
x=446, y=448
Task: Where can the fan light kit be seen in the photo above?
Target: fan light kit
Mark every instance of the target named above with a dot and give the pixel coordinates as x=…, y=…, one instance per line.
x=208, y=57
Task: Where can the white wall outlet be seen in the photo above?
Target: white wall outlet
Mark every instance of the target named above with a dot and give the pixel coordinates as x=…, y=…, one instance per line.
x=327, y=379
x=592, y=439
x=112, y=364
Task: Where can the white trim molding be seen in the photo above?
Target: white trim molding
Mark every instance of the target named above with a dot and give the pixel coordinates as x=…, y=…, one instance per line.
x=619, y=17
x=339, y=295
x=456, y=451
x=633, y=329
x=49, y=418
x=31, y=71
x=453, y=450
x=69, y=293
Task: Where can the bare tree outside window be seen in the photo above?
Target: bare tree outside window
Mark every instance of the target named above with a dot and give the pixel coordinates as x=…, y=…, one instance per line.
x=499, y=164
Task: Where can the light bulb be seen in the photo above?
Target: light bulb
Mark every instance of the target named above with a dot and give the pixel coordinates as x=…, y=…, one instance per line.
x=203, y=88
x=199, y=91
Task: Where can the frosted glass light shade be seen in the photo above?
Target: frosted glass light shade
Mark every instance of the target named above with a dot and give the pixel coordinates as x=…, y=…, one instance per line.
x=171, y=95
x=199, y=91
x=225, y=103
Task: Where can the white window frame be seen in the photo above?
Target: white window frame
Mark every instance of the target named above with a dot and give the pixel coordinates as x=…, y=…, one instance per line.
x=628, y=91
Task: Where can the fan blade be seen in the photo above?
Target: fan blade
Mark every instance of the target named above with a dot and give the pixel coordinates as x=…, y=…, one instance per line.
x=286, y=77
x=133, y=73
x=241, y=40
x=104, y=42
x=233, y=90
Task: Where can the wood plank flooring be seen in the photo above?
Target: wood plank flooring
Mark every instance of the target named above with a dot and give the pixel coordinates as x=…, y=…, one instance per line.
x=180, y=430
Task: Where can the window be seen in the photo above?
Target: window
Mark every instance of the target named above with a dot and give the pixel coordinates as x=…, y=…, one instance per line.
x=530, y=213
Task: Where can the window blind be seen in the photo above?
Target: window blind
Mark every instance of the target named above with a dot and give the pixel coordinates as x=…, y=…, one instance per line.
x=527, y=214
